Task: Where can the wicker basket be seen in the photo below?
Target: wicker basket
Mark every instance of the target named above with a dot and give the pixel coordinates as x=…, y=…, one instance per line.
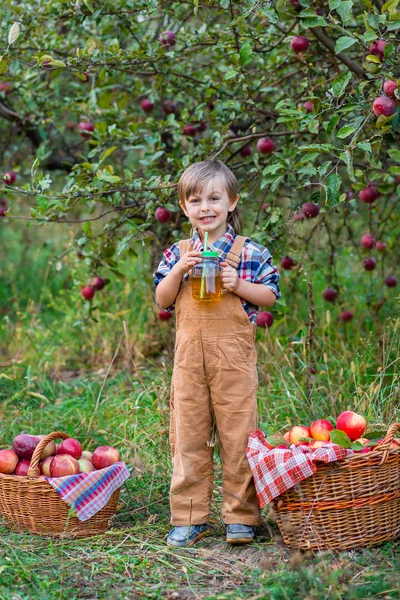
x=351, y=503
x=30, y=503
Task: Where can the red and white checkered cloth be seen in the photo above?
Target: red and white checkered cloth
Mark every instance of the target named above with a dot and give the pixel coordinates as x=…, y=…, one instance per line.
x=88, y=493
x=277, y=470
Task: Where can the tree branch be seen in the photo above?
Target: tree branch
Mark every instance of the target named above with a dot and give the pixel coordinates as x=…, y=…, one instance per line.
x=328, y=43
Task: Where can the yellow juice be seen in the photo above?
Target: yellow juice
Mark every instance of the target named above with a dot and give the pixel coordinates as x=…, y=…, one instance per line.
x=211, y=291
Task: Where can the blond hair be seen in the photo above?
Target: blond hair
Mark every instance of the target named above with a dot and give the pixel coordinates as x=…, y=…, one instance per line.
x=196, y=176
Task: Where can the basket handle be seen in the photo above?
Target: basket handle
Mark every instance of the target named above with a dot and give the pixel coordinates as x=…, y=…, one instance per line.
x=33, y=470
x=384, y=446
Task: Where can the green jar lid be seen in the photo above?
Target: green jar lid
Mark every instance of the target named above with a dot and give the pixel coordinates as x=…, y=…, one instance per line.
x=209, y=254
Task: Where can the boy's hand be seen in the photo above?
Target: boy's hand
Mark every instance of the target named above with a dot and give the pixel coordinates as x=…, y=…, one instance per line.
x=230, y=277
x=186, y=262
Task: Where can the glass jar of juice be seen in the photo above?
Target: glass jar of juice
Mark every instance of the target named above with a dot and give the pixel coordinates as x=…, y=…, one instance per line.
x=206, y=278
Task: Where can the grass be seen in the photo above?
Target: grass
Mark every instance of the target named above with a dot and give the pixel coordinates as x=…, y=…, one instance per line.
x=106, y=381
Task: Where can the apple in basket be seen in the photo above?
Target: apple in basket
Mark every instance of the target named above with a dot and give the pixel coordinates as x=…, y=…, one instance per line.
x=320, y=430
x=297, y=433
x=8, y=461
x=24, y=445
x=352, y=424
x=86, y=454
x=64, y=464
x=45, y=466
x=85, y=466
x=317, y=444
x=48, y=450
x=22, y=467
x=105, y=456
x=70, y=446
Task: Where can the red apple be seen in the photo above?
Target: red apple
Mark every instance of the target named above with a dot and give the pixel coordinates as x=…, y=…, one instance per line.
x=97, y=283
x=85, y=128
x=299, y=43
x=70, y=446
x=317, y=444
x=309, y=106
x=24, y=445
x=86, y=454
x=368, y=194
x=64, y=464
x=346, y=316
x=384, y=106
x=48, y=450
x=320, y=430
x=391, y=281
x=162, y=214
x=146, y=105
x=265, y=146
x=105, y=456
x=246, y=151
x=85, y=465
x=287, y=262
x=329, y=294
x=369, y=264
x=298, y=217
x=297, y=432
x=169, y=107
x=87, y=292
x=265, y=319
x=5, y=87
x=352, y=424
x=295, y=3
x=368, y=241
x=167, y=38
x=310, y=210
x=8, y=461
x=22, y=468
x=286, y=437
x=381, y=246
x=389, y=87
x=45, y=466
x=377, y=48
x=9, y=177
x=265, y=206
x=3, y=212
x=71, y=125
x=190, y=129
x=164, y=315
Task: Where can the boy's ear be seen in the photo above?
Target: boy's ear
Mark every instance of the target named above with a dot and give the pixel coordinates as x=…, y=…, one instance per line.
x=232, y=205
x=183, y=207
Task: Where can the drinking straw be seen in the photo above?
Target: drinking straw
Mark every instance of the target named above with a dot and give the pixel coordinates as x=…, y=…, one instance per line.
x=203, y=271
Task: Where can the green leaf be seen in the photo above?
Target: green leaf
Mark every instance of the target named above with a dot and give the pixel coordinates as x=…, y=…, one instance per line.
x=345, y=131
x=104, y=175
x=196, y=7
x=231, y=74
x=375, y=435
x=372, y=58
x=333, y=184
x=274, y=441
x=388, y=50
x=373, y=21
x=315, y=22
x=246, y=52
x=356, y=446
x=340, y=83
x=344, y=42
x=344, y=10
x=4, y=62
x=334, y=120
x=394, y=154
x=106, y=154
x=393, y=26
x=390, y=6
x=396, y=120
x=333, y=4
x=340, y=438
x=366, y=146
x=347, y=157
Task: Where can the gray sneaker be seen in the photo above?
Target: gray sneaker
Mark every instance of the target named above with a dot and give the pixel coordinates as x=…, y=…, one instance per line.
x=239, y=534
x=185, y=536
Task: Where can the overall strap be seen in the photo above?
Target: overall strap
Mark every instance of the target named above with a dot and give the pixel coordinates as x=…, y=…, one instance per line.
x=233, y=256
x=183, y=246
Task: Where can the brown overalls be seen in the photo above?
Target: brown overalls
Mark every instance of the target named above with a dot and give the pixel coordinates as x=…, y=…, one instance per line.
x=214, y=376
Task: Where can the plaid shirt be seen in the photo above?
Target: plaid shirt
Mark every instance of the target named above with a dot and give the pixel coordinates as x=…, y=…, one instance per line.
x=255, y=265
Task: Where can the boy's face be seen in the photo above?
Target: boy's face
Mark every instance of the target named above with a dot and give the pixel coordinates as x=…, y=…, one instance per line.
x=208, y=210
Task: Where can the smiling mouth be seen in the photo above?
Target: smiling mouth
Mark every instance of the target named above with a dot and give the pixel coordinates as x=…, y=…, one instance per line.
x=209, y=218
